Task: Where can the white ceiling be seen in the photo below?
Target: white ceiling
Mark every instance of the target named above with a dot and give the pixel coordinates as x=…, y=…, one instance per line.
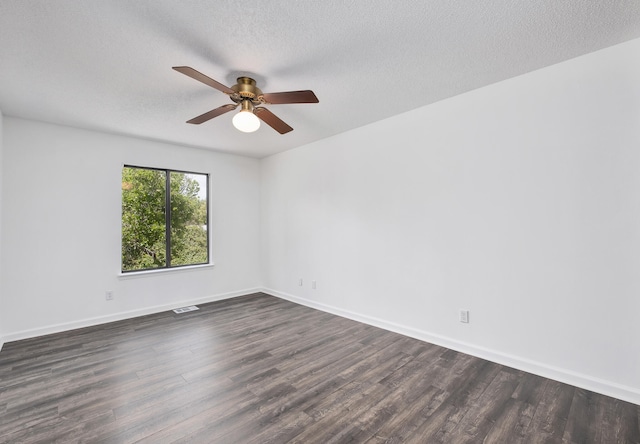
x=106, y=64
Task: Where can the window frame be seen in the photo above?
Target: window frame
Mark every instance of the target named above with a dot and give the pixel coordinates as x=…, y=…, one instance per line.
x=167, y=216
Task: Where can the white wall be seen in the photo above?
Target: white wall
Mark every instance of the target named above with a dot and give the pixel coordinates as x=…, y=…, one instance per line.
x=519, y=202
x=61, y=228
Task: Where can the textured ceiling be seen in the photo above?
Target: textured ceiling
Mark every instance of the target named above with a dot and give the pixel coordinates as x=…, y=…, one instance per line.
x=106, y=64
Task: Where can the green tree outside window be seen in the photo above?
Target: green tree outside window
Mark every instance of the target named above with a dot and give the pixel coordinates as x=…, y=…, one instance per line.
x=164, y=219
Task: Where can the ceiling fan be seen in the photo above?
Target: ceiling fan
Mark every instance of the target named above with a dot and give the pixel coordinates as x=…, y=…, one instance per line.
x=248, y=96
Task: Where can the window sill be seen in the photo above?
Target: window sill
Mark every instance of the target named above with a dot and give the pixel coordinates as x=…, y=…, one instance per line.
x=146, y=273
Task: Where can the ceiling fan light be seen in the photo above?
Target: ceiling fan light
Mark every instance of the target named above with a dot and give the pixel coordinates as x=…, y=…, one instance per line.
x=246, y=121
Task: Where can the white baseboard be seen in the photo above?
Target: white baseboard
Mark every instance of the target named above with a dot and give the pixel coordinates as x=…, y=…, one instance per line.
x=587, y=382
x=57, y=328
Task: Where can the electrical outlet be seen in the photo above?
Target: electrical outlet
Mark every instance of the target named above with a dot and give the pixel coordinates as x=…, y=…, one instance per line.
x=300, y=282
x=313, y=284
x=464, y=316
x=108, y=295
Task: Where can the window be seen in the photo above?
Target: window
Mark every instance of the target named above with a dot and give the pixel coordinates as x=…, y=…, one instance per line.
x=165, y=218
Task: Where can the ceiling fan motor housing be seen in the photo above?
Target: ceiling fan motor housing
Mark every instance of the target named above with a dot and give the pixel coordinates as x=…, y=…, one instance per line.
x=246, y=89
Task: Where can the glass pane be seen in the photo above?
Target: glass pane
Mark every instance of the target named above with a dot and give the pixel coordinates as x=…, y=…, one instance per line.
x=189, y=240
x=143, y=219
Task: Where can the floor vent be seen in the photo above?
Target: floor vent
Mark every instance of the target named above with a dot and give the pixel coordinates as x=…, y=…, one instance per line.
x=186, y=309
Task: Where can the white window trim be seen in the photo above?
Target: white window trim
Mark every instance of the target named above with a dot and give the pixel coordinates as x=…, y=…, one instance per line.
x=155, y=271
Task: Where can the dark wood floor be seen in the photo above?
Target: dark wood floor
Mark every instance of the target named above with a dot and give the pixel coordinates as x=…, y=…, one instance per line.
x=257, y=369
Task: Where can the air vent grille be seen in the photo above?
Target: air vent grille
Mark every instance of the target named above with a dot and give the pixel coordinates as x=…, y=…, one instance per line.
x=186, y=309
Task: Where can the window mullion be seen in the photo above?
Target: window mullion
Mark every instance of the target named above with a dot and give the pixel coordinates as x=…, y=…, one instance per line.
x=167, y=221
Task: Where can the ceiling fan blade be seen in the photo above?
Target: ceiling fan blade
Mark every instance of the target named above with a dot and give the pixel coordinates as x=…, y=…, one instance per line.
x=279, y=98
x=211, y=114
x=187, y=71
x=272, y=120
